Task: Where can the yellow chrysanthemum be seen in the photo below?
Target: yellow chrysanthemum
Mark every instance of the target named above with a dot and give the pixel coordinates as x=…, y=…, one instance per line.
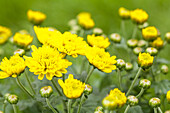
x=150, y=33
x=36, y=17
x=158, y=43
x=98, y=41
x=4, y=34
x=145, y=60
x=44, y=34
x=72, y=88
x=124, y=13
x=139, y=16
x=46, y=60
x=168, y=96
x=12, y=67
x=101, y=59
x=85, y=20
x=22, y=39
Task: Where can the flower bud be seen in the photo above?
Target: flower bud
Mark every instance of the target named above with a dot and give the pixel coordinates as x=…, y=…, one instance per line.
x=144, y=83
x=137, y=50
x=167, y=37
x=168, y=96
x=11, y=40
x=128, y=66
x=132, y=43
x=167, y=111
x=99, y=108
x=115, y=37
x=88, y=89
x=164, y=69
x=109, y=103
x=141, y=43
x=158, y=43
x=1, y=112
x=23, y=32
x=124, y=13
x=75, y=28
x=132, y=100
x=97, y=31
x=152, y=51
x=21, y=52
x=144, y=25
x=13, y=99
x=46, y=91
x=98, y=112
x=6, y=96
x=120, y=63
x=154, y=102
x=72, y=22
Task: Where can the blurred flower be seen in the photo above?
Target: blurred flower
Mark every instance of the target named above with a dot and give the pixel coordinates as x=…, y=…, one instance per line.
x=154, y=102
x=21, y=52
x=12, y=67
x=128, y=66
x=97, y=31
x=168, y=96
x=98, y=111
x=46, y=91
x=5, y=33
x=6, y=96
x=158, y=43
x=88, y=89
x=151, y=50
x=132, y=100
x=139, y=16
x=167, y=37
x=150, y=33
x=72, y=22
x=132, y=43
x=124, y=13
x=46, y=61
x=145, y=60
x=101, y=59
x=36, y=17
x=141, y=43
x=144, y=25
x=13, y=99
x=164, y=69
x=115, y=37
x=98, y=41
x=144, y=83
x=72, y=88
x=99, y=108
x=168, y=111
x=137, y=50
x=120, y=63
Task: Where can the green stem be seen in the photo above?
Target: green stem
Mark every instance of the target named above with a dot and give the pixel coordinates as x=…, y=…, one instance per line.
x=123, y=27
x=4, y=106
x=50, y=106
x=134, y=31
x=82, y=66
x=81, y=33
x=23, y=88
x=127, y=108
x=15, y=108
x=159, y=109
x=155, y=110
x=106, y=111
x=29, y=82
x=63, y=77
x=89, y=74
x=69, y=106
x=81, y=101
x=134, y=81
x=152, y=73
x=141, y=92
x=120, y=78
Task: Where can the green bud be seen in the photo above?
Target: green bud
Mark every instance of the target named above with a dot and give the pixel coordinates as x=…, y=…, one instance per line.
x=154, y=102
x=72, y=22
x=11, y=40
x=88, y=89
x=137, y=50
x=97, y=31
x=167, y=37
x=144, y=83
x=13, y=99
x=164, y=69
x=108, y=103
x=144, y=25
x=152, y=51
x=132, y=100
x=128, y=66
x=21, y=52
x=120, y=63
x=132, y=43
x=6, y=96
x=23, y=32
x=99, y=108
x=75, y=28
x=46, y=91
x=115, y=37
x=141, y=43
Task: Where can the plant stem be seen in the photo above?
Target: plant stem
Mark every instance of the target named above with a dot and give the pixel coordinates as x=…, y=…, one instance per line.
x=69, y=106
x=50, y=106
x=120, y=78
x=82, y=65
x=15, y=108
x=81, y=33
x=123, y=27
x=81, y=101
x=63, y=77
x=141, y=92
x=29, y=82
x=134, y=31
x=159, y=109
x=155, y=110
x=106, y=111
x=134, y=81
x=4, y=106
x=89, y=74
x=127, y=108
x=23, y=88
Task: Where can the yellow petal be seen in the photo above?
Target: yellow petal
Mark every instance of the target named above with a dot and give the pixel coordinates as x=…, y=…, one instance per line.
x=40, y=76
x=3, y=75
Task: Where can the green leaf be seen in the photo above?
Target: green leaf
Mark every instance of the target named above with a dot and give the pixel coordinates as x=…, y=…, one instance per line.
x=162, y=87
x=135, y=109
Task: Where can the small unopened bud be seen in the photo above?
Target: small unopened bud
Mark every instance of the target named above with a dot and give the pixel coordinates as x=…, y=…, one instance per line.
x=75, y=28
x=144, y=83
x=46, y=91
x=141, y=43
x=115, y=37
x=164, y=69
x=154, y=102
x=23, y=32
x=88, y=89
x=120, y=63
x=97, y=31
x=13, y=99
x=6, y=96
x=152, y=51
x=128, y=66
x=167, y=37
x=99, y=108
x=132, y=43
x=137, y=50
x=11, y=40
x=98, y=111
x=21, y=52
x=108, y=103
x=144, y=25
x=132, y=100
x=72, y=22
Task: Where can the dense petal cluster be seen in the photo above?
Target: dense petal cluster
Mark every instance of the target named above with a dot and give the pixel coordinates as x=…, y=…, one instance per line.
x=101, y=59
x=72, y=88
x=158, y=43
x=98, y=41
x=4, y=34
x=145, y=60
x=12, y=67
x=36, y=17
x=139, y=16
x=124, y=13
x=150, y=33
x=46, y=61
x=85, y=20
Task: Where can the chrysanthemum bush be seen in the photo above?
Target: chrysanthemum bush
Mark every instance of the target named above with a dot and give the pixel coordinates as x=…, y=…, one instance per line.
x=80, y=71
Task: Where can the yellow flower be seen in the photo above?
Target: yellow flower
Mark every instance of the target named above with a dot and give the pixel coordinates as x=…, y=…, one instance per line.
x=139, y=16
x=72, y=88
x=101, y=59
x=158, y=43
x=85, y=20
x=116, y=99
x=36, y=17
x=23, y=39
x=98, y=41
x=46, y=60
x=4, y=34
x=45, y=34
x=145, y=60
x=124, y=13
x=168, y=96
x=150, y=33
x=12, y=67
